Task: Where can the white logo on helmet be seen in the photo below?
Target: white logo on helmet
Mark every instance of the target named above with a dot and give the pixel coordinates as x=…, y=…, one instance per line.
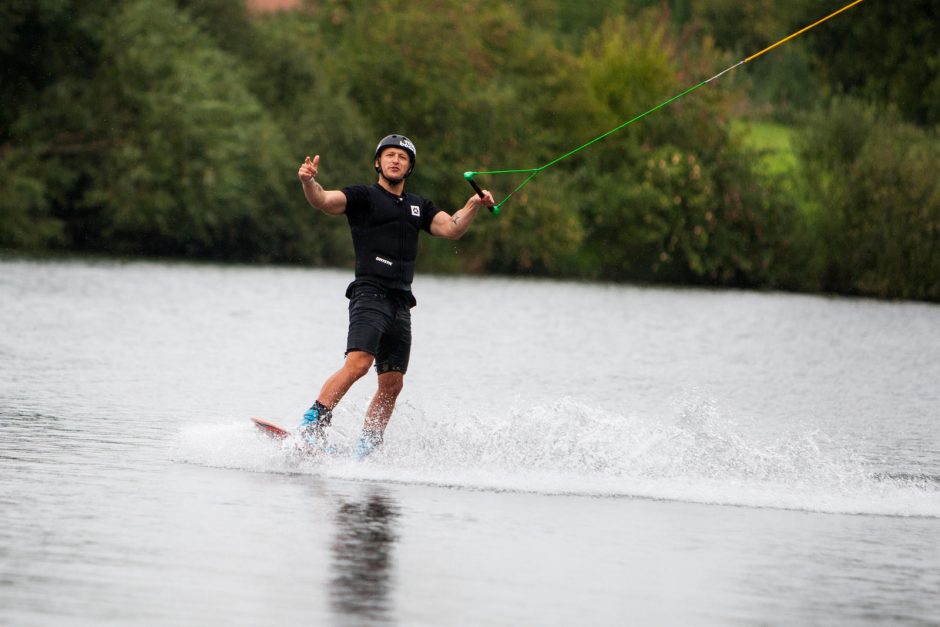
x=406, y=143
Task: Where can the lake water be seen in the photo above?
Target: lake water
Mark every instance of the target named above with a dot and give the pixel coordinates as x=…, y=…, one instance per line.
x=561, y=454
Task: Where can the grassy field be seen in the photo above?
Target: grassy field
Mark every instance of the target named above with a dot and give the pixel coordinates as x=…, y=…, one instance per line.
x=774, y=143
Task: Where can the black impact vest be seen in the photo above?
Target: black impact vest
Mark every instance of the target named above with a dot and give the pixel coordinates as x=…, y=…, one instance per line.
x=385, y=231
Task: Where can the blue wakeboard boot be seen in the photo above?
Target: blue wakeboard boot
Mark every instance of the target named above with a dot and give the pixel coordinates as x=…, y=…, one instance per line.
x=312, y=428
x=368, y=442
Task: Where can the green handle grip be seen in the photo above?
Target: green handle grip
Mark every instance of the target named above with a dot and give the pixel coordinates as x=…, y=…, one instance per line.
x=469, y=176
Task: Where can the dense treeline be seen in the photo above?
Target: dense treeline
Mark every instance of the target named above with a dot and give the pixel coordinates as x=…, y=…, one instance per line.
x=174, y=128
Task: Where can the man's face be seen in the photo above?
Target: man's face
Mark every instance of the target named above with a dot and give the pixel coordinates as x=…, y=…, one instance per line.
x=394, y=164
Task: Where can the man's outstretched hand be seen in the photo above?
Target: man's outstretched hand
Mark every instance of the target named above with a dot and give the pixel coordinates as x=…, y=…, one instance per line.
x=308, y=169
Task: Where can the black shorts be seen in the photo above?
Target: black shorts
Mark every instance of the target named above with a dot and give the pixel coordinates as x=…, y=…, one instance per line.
x=380, y=324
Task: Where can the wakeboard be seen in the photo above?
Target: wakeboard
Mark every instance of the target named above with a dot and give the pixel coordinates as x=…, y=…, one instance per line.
x=270, y=429
x=309, y=447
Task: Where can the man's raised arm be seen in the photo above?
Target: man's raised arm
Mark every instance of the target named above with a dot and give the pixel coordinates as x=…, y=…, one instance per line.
x=332, y=202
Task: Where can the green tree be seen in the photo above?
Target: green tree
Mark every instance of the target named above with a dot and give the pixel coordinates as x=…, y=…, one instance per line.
x=878, y=199
x=885, y=52
x=294, y=72
x=175, y=127
x=48, y=50
x=674, y=197
x=781, y=83
x=463, y=81
x=193, y=166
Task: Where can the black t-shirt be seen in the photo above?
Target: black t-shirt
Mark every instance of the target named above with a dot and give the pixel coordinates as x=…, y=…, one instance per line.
x=385, y=231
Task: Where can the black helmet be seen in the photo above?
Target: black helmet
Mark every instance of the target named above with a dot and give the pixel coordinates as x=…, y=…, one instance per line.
x=397, y=141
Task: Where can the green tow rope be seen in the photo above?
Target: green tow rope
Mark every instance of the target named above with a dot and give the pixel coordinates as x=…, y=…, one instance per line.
x=533, y=172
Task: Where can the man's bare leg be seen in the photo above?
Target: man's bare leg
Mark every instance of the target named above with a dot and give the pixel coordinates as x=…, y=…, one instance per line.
x=357, y=364
x=383, y=403
x=380, y=411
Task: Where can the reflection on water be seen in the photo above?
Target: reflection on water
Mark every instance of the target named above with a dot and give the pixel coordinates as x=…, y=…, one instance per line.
x=362, y=559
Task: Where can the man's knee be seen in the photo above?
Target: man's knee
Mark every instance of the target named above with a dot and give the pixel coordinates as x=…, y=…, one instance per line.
x=358, y=363
x=391, y=384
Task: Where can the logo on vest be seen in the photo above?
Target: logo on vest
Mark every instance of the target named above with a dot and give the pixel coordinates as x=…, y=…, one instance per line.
x=385, y=261
x=416, y=210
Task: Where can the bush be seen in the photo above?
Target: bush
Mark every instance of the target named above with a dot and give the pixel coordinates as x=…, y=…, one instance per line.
x=878, y=201
x=193, y=166
x=25, y=220
x=675, y=197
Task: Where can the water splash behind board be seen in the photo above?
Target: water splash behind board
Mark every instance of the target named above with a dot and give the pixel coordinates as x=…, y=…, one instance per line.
x=571, y=448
